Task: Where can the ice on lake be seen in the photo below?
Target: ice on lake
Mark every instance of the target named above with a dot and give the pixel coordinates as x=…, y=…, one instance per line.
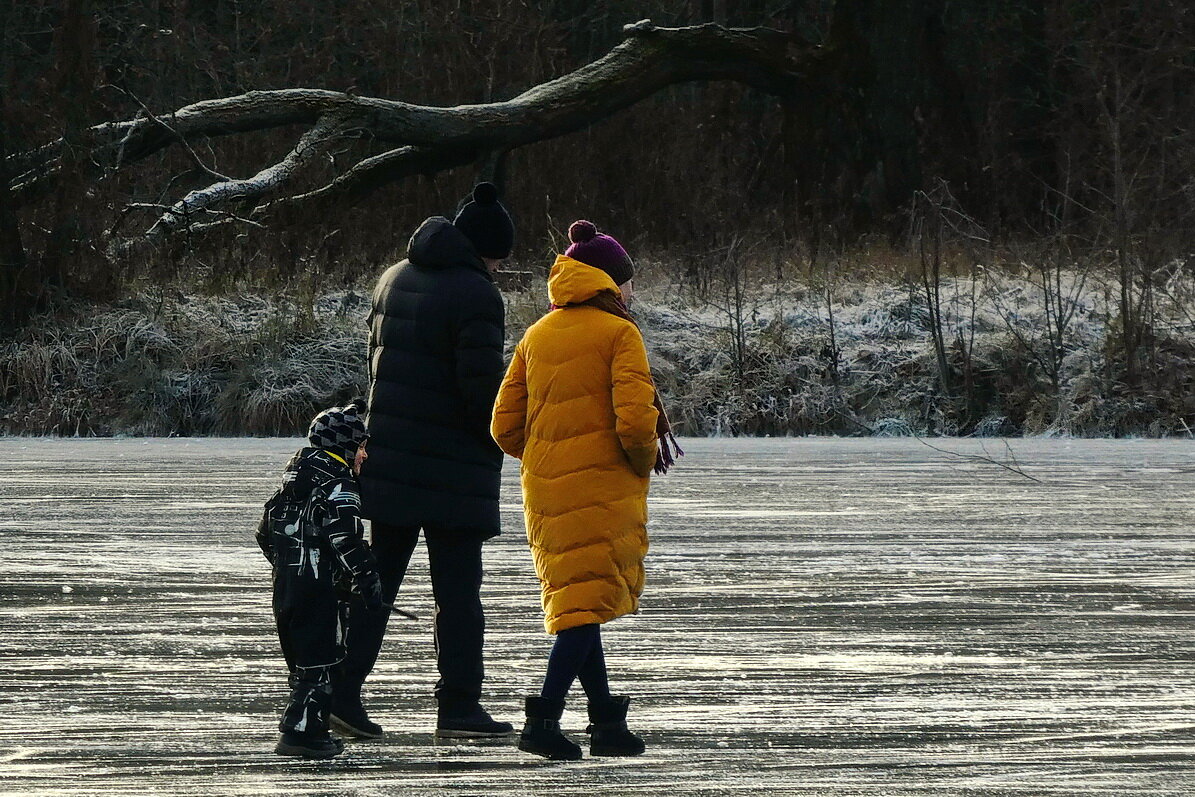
x=822, y=616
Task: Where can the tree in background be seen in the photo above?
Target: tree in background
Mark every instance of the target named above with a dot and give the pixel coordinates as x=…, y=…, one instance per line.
x=829, y=127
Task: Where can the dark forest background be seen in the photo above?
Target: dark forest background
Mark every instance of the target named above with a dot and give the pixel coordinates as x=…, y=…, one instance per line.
x=1057, y=131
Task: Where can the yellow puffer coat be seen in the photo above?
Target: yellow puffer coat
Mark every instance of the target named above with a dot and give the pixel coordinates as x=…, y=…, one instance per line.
x=576, y=406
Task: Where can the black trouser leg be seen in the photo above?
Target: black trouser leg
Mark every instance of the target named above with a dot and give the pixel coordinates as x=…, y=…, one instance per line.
x=310, y=622
x=310, y=699
x=455, y=560
x=392, y=546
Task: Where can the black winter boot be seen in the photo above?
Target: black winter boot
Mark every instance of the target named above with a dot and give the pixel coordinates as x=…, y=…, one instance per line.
x=348, y=716
x=469, y=722
x=541, y=734
x=608, y=728
x=312, y=744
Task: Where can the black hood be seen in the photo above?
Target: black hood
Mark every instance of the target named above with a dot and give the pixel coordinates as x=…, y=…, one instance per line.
x=438, y=244
x=310, y=467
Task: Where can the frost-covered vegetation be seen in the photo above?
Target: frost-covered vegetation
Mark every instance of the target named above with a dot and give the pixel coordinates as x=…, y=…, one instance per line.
x=974, y=219
x=747, y=355
x=860, y=358
x=171, y=364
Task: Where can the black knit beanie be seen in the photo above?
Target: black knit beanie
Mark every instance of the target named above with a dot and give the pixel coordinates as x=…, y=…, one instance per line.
x=486, y=223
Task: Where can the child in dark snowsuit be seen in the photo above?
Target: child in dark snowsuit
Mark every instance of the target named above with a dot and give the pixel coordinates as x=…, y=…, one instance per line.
x=311, y=533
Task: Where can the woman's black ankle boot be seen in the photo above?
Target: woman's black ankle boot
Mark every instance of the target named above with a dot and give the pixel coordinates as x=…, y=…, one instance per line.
x=608, y=731
x=541, y=735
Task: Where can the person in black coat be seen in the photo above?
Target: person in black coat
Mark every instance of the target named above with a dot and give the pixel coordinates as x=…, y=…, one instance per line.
x=436, y=335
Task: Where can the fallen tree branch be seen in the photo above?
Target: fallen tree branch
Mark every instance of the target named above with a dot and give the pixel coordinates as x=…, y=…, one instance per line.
x=179, y=138
x=373, y=173
x=427, y=139
x=315, y=142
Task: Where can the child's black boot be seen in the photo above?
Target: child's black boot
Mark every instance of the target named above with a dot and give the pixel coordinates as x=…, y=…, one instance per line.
x=541, y=734
x=308, y=744
x=608, y=731
x=304, y=724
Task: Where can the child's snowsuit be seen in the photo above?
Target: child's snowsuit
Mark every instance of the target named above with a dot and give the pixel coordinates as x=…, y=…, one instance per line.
x=312, y=534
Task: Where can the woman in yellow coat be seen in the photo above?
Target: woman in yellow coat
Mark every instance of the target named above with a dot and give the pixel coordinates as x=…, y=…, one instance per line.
x=578, y=407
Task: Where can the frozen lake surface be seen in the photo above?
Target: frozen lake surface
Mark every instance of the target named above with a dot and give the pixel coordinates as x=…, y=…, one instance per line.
x=822, y=617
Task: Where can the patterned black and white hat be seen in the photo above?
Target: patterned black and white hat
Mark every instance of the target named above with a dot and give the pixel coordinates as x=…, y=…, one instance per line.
x=339, y=430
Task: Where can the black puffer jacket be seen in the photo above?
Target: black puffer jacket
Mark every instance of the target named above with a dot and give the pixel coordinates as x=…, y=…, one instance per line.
x=435, y=346
x=317, y=509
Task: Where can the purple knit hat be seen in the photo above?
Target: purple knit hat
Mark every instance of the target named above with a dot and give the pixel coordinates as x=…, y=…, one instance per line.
x=600, y=251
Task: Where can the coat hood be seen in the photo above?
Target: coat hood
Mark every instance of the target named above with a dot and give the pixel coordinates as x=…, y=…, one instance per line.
x=572, y=282
x=308, y=468
x=439, y=244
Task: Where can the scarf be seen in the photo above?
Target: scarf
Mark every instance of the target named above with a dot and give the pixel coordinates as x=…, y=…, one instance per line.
x=666, y=440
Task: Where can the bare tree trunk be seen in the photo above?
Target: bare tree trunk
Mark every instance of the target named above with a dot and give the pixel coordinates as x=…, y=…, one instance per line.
x=13, y=305
x=930, y=216
x=75, y=82
x=12, y=251
x=1128, y=311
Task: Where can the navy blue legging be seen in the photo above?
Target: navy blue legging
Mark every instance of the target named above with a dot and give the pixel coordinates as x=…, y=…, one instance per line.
x=577, y=653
